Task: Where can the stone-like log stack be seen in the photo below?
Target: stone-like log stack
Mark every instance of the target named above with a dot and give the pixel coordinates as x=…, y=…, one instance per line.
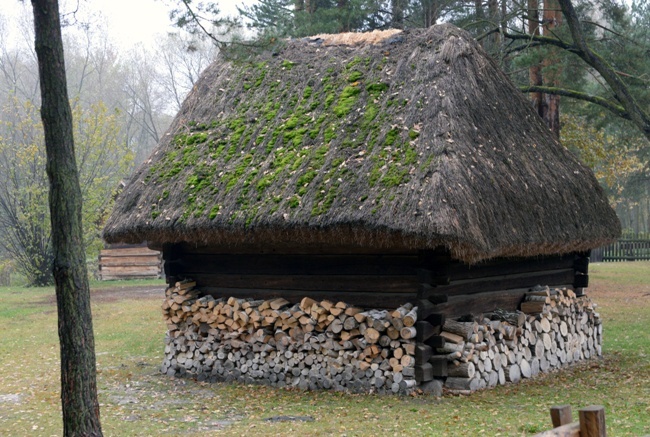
x=327, y=345
x=555, y=328
x=311, y=345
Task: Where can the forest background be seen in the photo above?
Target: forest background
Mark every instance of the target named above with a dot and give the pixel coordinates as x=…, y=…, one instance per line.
x=123, y=98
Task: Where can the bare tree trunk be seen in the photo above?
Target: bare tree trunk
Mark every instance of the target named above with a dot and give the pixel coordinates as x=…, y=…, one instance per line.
x=535, y=71
x=478, y=6
x=430, y=12
x=482, y=23
x=78, y=373
x=344, y=23
x=495, y=21
x=397, y=11
x=552, y=69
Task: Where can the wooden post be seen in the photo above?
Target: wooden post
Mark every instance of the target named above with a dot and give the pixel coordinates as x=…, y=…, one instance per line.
x=592, y=421
x=560, y=415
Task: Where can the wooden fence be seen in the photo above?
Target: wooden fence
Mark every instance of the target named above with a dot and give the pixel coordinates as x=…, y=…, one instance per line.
x=129, y=262
x=591, y=424
x=631, y=248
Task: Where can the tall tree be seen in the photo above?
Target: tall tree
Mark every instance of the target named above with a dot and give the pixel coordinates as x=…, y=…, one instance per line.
x=573, y=40
x=551, y=113
x=535, y=69
x=633, y=111
x=77, y=345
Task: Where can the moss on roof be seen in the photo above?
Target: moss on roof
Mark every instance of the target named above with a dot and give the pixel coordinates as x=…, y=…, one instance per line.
x=417, y=141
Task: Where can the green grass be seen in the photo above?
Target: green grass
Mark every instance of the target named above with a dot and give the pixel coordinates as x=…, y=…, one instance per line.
x=622, y=274
x=102, y=285
x=137, y=401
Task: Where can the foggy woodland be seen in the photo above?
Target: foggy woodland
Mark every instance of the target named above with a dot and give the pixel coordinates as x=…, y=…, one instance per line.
x=123, y=99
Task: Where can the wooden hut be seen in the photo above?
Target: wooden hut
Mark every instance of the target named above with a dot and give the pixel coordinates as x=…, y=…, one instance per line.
x=377, y=170
x=129, y=261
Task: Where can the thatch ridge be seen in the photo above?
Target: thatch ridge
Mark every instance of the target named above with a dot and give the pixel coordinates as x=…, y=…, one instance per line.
x=416, y=142
x=354, y=38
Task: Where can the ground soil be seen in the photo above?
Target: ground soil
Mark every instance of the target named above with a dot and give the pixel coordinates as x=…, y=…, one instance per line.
x=114, y=293
x=629, y=293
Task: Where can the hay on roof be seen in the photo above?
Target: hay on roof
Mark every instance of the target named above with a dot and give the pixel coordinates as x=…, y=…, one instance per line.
x=354, y=38
x=419, y=141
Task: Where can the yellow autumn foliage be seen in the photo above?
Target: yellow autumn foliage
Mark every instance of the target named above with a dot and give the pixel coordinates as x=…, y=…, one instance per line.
x=102, y=157
x=613, y=161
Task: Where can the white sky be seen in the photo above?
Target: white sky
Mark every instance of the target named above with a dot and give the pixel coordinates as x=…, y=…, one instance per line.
x=129, y=22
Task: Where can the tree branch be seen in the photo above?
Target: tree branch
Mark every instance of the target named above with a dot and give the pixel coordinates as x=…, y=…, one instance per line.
x=542, y=39
x=523, y=47
x=618, y=110
x=637, y=115
x=607, y=29
x=488, y=33
x=197, y=21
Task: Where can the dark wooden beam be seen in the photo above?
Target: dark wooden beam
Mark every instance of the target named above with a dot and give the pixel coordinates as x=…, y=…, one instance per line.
x=509, y=266
x=507, y=282
x=340, y=283
x=439, y=365
x=581, y=280
x=581, y=265
x=479, y=303
x=315, y=264
x=435, y=341
x=423, y=372
x=422, y=353
x=425, y=330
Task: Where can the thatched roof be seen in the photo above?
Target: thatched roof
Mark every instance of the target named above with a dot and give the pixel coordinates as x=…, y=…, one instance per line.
x=415, y=141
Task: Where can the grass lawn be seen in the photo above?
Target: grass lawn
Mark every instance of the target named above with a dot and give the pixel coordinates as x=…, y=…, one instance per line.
x=137, y=401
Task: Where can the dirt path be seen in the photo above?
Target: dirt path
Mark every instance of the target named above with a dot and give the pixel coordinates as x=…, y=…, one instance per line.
x=127, y=292
x=118, y=292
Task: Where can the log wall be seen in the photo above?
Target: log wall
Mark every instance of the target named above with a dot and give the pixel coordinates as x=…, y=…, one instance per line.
x=387, y=279
x=380, y=279
x=130, y=262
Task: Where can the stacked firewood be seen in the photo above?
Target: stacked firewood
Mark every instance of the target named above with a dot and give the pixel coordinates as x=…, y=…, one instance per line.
x=554, y=328
x=311, y=345
x=321, y=344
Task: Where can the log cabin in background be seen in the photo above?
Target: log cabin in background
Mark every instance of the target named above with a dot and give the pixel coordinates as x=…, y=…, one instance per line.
x=129, y=261
x=368, y=212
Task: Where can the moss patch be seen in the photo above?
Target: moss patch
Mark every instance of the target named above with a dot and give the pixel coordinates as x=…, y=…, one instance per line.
x=391, y=136
x=304, y=180
x=347, y=100
x=355, y=76
x=375, y=89
x=290, y=144
x=288, y=65
x=293, y=202
x=395, y=176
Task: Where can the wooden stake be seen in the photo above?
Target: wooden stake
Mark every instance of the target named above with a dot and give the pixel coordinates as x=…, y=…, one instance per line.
x=592, y=421
x=560, y=415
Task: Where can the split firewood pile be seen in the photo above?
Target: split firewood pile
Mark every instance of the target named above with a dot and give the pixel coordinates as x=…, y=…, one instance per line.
x=554, y=328
x=310, y=345
x=326, y=345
